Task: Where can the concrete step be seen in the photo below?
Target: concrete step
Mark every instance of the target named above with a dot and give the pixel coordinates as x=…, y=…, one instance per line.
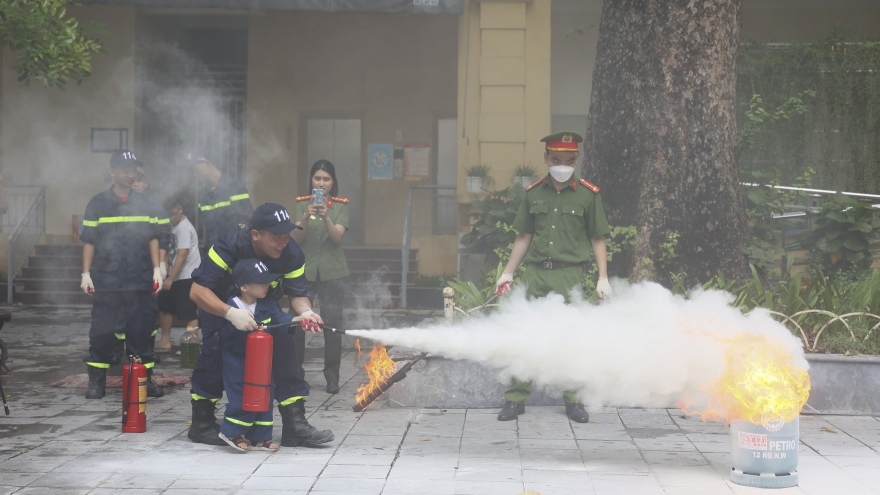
x=48, y=284
x=72, y=273
x=52, y=298
x=53, y=261
x=59, y=250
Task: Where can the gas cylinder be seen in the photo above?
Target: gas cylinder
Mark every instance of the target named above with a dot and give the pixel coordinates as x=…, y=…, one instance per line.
x=257, y=372
x=134, y=397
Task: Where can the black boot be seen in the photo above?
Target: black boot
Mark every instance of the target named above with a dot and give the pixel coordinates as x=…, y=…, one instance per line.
x=97, y=382
x=296, y=430
x=153, y=390
x=511, y=410
x=577, y=413
x=204, y=427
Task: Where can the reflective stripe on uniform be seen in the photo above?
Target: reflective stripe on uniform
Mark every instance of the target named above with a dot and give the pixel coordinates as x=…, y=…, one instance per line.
x=214, y=206
x=267, y=320
x=296, y=273
x=218, y=260
x=98, y=365
x=149, y=365
x=264, y=423
x=120, y=220
x=90, y=223
x=199, y=397
x=163, y=221
x=221, y=204
x=237, y=422
x=119, y=336
x=290, y=401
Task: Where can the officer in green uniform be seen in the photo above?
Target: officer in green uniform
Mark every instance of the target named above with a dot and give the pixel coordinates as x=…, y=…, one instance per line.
x=322, y=227
x=560, y=223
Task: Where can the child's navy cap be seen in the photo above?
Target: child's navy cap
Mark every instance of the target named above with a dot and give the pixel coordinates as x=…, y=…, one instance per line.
x=123, y=158
x=272, y=217
x=252, y=271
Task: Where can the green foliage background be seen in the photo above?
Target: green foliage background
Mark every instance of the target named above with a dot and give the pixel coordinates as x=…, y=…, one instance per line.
x=49, y=46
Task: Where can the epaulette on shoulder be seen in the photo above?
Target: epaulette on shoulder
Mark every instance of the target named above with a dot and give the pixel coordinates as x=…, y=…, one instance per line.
x=303, y=198
x=590, y=186
x=535, y=184
x=337, y=199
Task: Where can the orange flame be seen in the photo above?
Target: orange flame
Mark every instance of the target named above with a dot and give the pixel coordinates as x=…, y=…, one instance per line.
x=760, y=383
x=357, y=343
x=379, y=369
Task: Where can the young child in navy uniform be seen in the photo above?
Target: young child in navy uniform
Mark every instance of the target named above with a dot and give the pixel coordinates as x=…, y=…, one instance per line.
x=252, y=279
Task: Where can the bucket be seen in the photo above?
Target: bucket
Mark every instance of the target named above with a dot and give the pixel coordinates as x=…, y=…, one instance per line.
x=764, y=456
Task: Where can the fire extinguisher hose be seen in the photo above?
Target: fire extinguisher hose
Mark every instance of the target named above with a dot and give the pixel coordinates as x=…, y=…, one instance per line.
x=296, y=324
x=125, y=392
x=261, y=385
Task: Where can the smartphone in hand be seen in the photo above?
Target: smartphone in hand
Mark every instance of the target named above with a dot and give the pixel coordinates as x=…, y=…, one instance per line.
x=317, y=196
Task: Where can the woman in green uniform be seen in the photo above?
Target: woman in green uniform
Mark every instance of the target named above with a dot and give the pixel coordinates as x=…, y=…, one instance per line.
x=323, y=227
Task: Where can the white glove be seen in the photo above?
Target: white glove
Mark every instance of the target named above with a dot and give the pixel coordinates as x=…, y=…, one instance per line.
x=157, y=280
x=242, y=319
x=603, y=288
x=163, y=269
x=505, y=281
x=86, y=285
x=310, y=321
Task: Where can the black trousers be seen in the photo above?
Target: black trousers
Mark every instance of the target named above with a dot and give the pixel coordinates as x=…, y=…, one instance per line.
x=137, y=310
x=331, y=294
x=207, y=378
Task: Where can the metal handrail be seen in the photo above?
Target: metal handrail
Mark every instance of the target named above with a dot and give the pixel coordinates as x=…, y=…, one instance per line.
x=407, y=233
x=814, y=191
x=27, y=232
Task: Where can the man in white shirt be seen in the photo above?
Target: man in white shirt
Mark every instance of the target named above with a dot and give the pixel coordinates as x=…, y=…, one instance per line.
x=183, y=258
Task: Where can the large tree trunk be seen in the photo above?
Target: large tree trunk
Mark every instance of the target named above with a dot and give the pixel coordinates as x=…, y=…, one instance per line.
x=662, y=132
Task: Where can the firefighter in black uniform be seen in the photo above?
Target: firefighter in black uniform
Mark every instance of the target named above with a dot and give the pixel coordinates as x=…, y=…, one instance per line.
x=224, y=202
x=267, y=238
x=121, y=269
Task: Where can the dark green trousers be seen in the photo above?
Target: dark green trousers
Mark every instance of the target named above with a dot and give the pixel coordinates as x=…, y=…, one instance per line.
x=331, y=294
x=539, y=283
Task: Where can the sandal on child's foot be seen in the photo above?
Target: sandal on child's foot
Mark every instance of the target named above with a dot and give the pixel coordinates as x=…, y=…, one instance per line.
x=238, y=443
x=266, y=445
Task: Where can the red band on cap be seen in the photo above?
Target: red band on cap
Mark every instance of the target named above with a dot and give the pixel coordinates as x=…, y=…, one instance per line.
x=562, y=146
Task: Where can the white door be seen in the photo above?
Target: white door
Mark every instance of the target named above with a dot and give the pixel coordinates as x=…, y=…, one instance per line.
x=447, y=175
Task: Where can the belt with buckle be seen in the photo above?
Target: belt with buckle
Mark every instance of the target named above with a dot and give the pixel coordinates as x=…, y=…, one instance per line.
x=552, y=265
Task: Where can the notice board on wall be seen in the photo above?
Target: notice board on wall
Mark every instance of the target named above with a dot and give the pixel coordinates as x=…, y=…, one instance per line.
x=416, y=161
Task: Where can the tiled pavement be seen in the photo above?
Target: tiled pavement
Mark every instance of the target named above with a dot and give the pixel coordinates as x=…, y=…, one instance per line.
x=56, y=442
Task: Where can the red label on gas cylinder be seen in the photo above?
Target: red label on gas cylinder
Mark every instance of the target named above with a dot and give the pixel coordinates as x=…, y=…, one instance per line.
x=752, y=441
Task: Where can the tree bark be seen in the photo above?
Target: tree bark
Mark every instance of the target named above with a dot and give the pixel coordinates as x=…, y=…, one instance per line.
x=662, y=132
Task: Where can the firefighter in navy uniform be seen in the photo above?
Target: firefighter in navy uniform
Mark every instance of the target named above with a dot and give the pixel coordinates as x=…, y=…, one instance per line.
x=121, y=270
x=224, y=202
x=267, y=238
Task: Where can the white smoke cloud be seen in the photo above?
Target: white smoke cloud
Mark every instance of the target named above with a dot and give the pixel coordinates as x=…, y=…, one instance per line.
x=644, y=348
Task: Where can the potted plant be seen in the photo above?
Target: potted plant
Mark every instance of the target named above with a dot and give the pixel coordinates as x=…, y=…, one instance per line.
x=524, y=175
x=477, y=179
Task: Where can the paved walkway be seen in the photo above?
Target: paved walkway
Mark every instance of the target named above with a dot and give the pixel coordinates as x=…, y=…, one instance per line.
x=56, y=442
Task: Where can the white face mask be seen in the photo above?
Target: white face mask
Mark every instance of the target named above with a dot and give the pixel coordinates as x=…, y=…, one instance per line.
x=561, y=172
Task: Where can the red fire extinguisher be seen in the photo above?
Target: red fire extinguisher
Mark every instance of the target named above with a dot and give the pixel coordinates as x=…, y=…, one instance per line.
x=134, y=397
x=257, y=372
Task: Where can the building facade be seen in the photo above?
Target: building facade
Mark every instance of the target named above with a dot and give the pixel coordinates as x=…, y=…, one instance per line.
x=442, y=84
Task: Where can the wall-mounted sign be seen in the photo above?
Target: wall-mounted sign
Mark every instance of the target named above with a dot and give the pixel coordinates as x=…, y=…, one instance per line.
x=380, y=164
x=416, y=163
x=109, y=139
